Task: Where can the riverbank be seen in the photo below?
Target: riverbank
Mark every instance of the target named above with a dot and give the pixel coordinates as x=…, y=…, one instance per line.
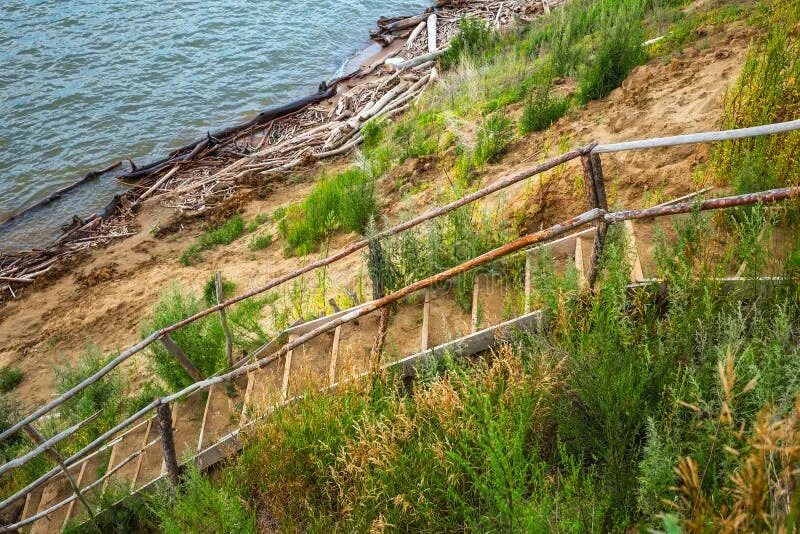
x=102, y=296
x=81, y=91
x=198, y=175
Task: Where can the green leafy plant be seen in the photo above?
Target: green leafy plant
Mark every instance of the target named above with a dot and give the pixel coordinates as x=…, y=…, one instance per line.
x=494, y=138
x=343, y=202
x=10, y=377
x=224, y=234
x=541, y=110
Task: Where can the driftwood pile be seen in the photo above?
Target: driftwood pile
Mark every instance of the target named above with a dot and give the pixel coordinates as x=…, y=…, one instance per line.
x=202, y=174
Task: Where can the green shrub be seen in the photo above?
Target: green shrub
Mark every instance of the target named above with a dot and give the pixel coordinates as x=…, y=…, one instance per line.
x=475, y=40
x=343, y=202
x=767, y=91
x=210, y=290
x=420, y=135
x=257, y=221
x=618, y=51
x=494, y=138
x=260, y=241
x=106, y=396
x=10, y=377
x=202, y=341
x=202, y=506
x=224, y=234
x=541, y=110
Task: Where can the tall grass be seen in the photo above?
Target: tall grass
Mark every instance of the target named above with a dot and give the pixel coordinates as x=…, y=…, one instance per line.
x=767, y=91
x=630, y=412
x=342, y=202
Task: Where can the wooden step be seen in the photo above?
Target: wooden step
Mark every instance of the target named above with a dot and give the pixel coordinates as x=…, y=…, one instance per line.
x=263, y=390
x=54, y=492
x=310, y=365
x=89, y=472
x=632, y=254
x=151, y=461
x=447, y=319
x=490, y=300
x=222, y=412
x=355, y=346
x=403, y=333
x=187, y=419
x=120, y=452
x=32, y=501
x=148, y=463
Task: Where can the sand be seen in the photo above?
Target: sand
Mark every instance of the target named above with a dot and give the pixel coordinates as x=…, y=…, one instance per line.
x=104, y=296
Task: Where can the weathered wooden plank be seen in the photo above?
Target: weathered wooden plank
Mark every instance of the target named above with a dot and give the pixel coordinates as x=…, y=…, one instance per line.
x=224, y=319
x=632, y=253
x=426, y=321
x=337, y=335
x=181, y=358
x=703, y=137
x=579, y=263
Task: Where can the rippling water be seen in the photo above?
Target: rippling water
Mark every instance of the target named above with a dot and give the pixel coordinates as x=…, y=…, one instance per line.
x=84, y=84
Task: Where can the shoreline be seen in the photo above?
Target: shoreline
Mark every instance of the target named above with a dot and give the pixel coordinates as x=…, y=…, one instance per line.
x=199, y=177
x=13, y=223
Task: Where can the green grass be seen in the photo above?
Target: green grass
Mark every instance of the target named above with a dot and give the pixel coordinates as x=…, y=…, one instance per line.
x=618, y=50
x=767, y=91
x=224, y=234
x=541, y=110
x=210, y=290
x=586, y=427
x=202, y=341
x=494, y=138
x=260, y=241
x=344, y=202
x=10, y=377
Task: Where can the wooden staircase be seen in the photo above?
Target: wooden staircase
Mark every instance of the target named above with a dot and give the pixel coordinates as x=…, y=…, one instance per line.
x=430, y=322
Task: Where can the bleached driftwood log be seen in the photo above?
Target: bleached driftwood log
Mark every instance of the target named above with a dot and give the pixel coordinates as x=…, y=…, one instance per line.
x=432, y=32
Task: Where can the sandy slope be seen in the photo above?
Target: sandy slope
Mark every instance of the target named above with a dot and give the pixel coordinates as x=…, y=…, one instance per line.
x=104, y=297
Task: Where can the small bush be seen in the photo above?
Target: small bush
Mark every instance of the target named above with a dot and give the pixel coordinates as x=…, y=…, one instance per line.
x=225, y=234
x=475, y=40
x=767, y=91
x=343, y=202
x=541, y=110
x=10, y=377
x=202, y=506
x=494, y=138
x=106, y=396
x=203, y=341
x=259, y=219
x=619, y=50
x=260, y=241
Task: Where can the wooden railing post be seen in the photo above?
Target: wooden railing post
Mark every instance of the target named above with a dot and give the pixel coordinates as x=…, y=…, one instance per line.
x=168, y=443
x=182, y=359
x=224, y=320
x=596, y=193
x=39, y=439
x=380, y=339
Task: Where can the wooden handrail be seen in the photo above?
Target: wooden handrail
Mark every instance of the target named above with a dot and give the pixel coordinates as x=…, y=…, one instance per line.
x=355, y=247
x=703, y=137
x=523, y=242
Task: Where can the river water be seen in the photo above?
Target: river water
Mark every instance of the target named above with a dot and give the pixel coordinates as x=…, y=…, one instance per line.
x=84, y=84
